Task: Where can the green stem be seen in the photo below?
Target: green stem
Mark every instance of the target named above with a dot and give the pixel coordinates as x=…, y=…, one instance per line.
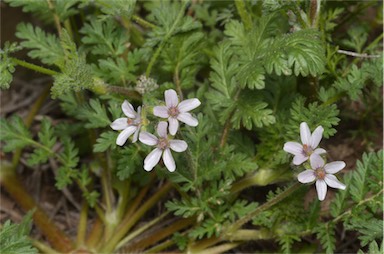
x=251, y=235
x=160, y=234
x=141, y=230
x=165, y=39
x=263, y=207
x=34, y=67
x=82, y=228
x=43, y=247
x=129, y=222
x=220, y=249
x=244, y=15
x=143, y=22
x=158, y=248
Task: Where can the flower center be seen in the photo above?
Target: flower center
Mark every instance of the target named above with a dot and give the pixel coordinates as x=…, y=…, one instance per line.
x=163, y=143
x=173, y=111
x=135, y=121
x=130, y=121
x=320, y=173
x=307, y=150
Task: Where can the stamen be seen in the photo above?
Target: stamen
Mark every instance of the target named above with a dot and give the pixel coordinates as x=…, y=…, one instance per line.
x=320, y=173
x=173, y=111
x=163, y=143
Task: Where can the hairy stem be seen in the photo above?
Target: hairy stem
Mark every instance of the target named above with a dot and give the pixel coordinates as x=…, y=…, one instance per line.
x=244, y=15
x=220, y=248
x=43, y=247
x=227, y=125
x=165, y=39
x=143, y=22
x=33, y=67
x=176, y=79
x=55, y=16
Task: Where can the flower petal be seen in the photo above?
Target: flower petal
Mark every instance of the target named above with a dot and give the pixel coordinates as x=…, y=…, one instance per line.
x=332, y=181
x=321, y=188
x=305, y=133
x=320, y=151
x=173, y=125
x=148, y=138
x=334, y=167
x=316, y=161
x=161, y=111
x=293, y=148
x=125, y=134
x=178, y=145
x=306, y=176
x=128, y=109
x=162, y=129
x=136, y=135
x=119, y=124
x=171, y=99
x=188, y=105
x=152, y=159
x=298, y=159
x=168, y=160
x=316, y=137
x=188, y=119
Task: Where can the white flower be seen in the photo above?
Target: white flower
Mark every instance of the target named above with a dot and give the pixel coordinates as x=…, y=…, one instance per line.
x=323, y=174
x=163, y=145
x=176, y=111
x=130, y=124
x=308, y=146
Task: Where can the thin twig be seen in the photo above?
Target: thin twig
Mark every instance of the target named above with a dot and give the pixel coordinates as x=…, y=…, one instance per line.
x=351, y=53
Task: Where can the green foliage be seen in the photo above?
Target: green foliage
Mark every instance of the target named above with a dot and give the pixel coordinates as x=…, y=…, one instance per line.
x=326, y=234
x=14, y=133
x=94, y=114
x=7, y=67
x=105, y=141
x=117, y=8
x=373, y=248
x=47, y=140
x=128, y=160
x=166, y=15
x=314, y=115
x=42, y=9
x=76, y=74
x=42, y=45
x=104, y=37
x=14, y=237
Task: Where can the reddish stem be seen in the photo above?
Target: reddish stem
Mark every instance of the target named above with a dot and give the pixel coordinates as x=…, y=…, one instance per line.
x=57, y=238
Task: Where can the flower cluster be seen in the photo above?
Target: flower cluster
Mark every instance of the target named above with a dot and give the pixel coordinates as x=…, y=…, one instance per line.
x=316, y=170
x=173, y=111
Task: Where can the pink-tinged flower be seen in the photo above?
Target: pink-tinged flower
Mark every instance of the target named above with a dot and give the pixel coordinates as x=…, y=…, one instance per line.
x=309, y=142
x=323, y=174
x=175, y=111
x=163, y=147
x=129, y=125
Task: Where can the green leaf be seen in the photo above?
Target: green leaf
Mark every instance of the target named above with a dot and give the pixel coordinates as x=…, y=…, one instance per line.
x=94, y=114
x=370, y=229
x=14, y=133
x=104, y=37
x=7, y=66
x=359, y=187
x=14, y=237
x=48, y=140
x=326, y=234
x=117, y=8
x=129, y=161
x=250, y=112
x=70, y=153
x=106, y=141
x=76, y=75
x=314, y=115
x=42, y=45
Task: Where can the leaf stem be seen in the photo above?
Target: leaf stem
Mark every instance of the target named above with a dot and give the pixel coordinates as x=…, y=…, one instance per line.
x=34, y=67
x=143, y=22
x=245, y=17
x=130, y=221
x=165, y=39
x=43, y=247
x=82, y=228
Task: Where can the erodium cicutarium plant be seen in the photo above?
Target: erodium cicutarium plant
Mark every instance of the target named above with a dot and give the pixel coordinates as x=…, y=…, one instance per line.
x=191, y=126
